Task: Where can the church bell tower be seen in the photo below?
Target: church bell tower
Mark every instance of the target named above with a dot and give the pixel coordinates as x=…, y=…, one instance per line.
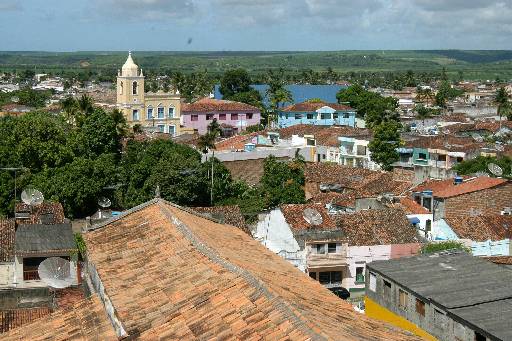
x=130, y=91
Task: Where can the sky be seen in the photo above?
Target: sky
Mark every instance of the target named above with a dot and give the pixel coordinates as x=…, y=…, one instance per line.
x=254, y=25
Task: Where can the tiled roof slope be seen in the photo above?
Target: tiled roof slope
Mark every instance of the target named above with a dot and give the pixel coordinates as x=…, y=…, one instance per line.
x=447, y=188
x=310, y=129
x=37, y=238
x=210, y=104
x=445, y=142
x=412, y=207
x=294, y=215
x=53, y=211
x=7, y=233
x=235, y=142
x=377, y=227
x=503, y=260
x=313, y=106
x=482, y=228
x=86, y=320
x=229, y=215
x=172, y=274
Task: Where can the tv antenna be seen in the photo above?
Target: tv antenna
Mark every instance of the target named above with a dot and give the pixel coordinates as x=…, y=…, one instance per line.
x=32, y=197
x=312, y=216
x=56, y=273
x=495, y=169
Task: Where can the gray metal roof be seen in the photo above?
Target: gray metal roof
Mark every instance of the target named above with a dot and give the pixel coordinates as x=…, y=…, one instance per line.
x=472, y=288
x=41, y=238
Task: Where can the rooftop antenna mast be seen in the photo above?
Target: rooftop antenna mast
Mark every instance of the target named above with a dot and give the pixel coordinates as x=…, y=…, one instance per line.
x=15, y=170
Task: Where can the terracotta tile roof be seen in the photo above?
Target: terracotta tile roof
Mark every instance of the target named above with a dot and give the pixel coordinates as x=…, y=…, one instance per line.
x=313, y=106
x=339, y=199
x=175, y=275
x=7, y=233
x=249, y=171
x=48, y=213
x=490, y=126
x=504, y=260
x=481, y=228
x=294, y=215
x=447, y=188
x=364, y=182
x=210, y=104
x=229, y=215
x=455, y=117
x=86, y=320
x=445, y=142
x=412, y=207
x=15, y=318
x=377, y=227
x=236, y=142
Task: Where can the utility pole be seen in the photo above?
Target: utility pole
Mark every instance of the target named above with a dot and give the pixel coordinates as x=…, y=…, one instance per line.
x=15, y=170
x=211, y=190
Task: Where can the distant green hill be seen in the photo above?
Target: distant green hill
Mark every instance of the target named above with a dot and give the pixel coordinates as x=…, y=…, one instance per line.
x=473, y=64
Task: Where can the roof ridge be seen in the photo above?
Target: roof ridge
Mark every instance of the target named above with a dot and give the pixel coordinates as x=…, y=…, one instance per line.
x=252, y=280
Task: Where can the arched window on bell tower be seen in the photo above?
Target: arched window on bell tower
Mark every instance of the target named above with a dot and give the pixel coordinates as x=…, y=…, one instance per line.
x=134, y=88
x=121, y=88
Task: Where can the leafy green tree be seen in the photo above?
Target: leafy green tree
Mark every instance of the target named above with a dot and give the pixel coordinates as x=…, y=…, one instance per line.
x=384, y=145
x=481, y=163
x=98, y=135
x=282, y=182
x=445, y=93
x=79, y=184
x=443, y=246
x=373, y=107
x=234, y=82
x=251, y=97
x=85, y=104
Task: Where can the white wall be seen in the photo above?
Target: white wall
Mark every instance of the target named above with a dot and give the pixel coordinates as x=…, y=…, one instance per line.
x=274, y=232
x=6, y=274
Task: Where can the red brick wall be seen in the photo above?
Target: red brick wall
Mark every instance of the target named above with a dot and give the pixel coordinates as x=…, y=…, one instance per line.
x=489, y=201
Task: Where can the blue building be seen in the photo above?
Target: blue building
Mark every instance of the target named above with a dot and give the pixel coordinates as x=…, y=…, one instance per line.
x=317, y=113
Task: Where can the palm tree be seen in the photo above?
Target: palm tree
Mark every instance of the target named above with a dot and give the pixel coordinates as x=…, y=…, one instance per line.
x=121, y=125
x=69, y=107
x=501, y=101
x=86, y=104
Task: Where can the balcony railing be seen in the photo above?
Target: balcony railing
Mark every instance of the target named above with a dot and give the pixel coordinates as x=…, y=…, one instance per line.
x=30, y=275
x=332, y=285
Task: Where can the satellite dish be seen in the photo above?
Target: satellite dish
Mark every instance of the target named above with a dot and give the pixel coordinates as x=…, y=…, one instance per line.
x=104, y=202
x=56, y=272
x=495, y=169
x=32, y=196
x=312, y=216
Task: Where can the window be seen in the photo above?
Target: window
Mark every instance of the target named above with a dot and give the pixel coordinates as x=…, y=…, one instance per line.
x=387, y=289
x=420, y=307
x=441, y=158
x=403, y=298
x=460, y=159
x=161, y=128
x=359, y=274
x=320, y=248
x=121, y=86
x=330, y=277
x=249, y=116
x=298, y=116
x=135, y=115
x=422, y=156
x=325, y=116
x=346, y=115
x=310, y=116
x=373, y=282
x=331, y=248
x=134, y=88
x=150, y=113
x=335, y=115
x=172, y=130
x=234, y=117
x=171, y=112
x=428, y=225
x=222, y=117
x=194, y=117
x=160, y=112
x=209, y=117
x=312, y=275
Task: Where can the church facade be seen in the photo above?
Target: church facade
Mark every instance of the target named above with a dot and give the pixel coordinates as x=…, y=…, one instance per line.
x=160, y=111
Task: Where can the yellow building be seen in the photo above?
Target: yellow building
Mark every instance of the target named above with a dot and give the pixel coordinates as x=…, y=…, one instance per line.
x=160, y=111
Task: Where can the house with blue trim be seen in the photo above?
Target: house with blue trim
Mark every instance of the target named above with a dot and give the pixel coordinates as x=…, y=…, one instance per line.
x=317, y=113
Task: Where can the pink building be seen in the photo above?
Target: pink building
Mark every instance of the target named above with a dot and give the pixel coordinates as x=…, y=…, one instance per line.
x=234, y=116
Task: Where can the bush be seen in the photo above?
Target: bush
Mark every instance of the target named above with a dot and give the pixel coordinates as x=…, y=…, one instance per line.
x=443, y=246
